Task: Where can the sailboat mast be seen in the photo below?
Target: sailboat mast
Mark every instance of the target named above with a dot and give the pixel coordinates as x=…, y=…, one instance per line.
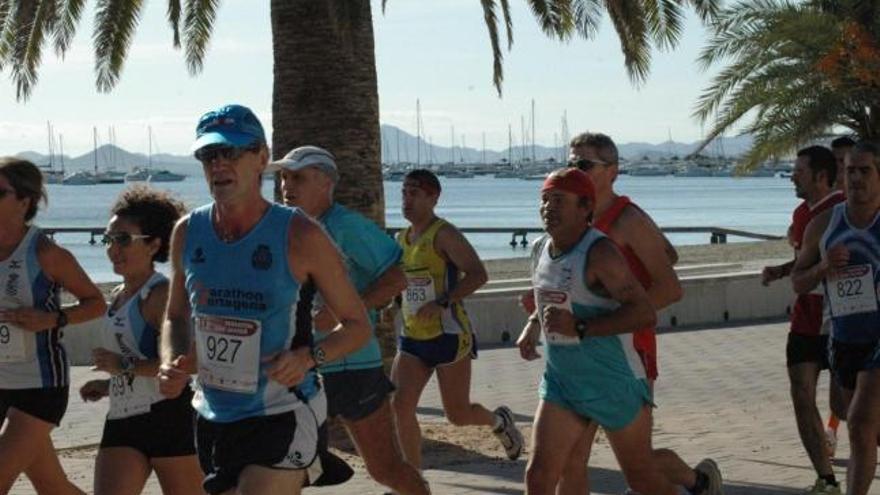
x=95, y=152
x=149, y=147
x=509, y=145
x=533, y=131
x=484, y=147
x=418, y=134
x=61, y=152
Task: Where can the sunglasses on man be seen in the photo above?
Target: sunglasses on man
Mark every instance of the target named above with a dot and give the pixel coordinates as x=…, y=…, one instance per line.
x=231, y=153
x=585, y=163
x=121, y=239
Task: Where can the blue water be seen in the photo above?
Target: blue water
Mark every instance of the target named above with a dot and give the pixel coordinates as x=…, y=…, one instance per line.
x=754, y=204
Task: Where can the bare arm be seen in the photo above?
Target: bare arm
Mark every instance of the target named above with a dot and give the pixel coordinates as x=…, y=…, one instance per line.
x=63, y=268
x=809, y=268
x=153, y=309
x=175, y=340
x=608, y=268
x=391, y=283
x=456, y=248
x=652, y=249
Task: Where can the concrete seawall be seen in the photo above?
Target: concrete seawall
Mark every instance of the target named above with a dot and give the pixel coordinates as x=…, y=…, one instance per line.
x=713, y=294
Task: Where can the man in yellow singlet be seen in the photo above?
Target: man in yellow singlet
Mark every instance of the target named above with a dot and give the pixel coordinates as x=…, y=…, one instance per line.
x=441, y=269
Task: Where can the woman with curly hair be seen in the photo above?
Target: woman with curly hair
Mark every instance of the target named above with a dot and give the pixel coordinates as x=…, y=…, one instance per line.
x=143, y=432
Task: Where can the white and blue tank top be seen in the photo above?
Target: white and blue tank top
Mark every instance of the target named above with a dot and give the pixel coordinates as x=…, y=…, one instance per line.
x=243, y=298
x=30, y=359
x=597, y=363
x=128, y=334
x=851, y=292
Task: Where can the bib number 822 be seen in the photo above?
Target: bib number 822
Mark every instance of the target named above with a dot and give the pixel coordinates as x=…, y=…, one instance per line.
x=222, y=349
x=849, y=288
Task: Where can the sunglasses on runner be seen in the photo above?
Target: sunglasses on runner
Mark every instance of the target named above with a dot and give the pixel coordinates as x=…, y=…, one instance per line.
x=585, y=164
x=210, y=153
x=121, y=239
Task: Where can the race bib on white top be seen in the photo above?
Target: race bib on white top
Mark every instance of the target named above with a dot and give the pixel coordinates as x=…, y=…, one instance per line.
x=419, y=291
x=13, y=348
x=129, y=395
x=554, y=299
x=851, y=290
x=229, y=352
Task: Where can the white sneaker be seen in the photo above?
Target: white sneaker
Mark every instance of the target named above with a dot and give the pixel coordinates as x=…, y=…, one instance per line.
x=508, y=434
x=710, y=469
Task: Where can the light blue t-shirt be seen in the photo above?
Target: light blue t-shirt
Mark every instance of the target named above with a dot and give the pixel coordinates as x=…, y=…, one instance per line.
x=368, y=253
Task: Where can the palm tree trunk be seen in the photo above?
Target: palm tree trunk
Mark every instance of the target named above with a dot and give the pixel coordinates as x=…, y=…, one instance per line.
x=325, y=92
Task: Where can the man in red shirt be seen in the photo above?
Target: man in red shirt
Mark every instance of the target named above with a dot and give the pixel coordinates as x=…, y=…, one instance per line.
x=650, y=258
x=814, y=176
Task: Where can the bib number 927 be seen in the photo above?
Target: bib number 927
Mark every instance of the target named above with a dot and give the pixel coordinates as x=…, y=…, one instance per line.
x=222, y=349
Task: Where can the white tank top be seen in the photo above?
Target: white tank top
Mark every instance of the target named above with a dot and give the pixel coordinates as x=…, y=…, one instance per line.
x=127, y=333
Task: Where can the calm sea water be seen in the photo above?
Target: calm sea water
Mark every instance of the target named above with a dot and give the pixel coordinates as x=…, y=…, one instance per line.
x=754, y=204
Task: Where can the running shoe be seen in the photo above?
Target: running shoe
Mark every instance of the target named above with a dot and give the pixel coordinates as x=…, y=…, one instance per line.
x=508, y=434
x=709, y=468
x=822, y=488
x=830, y=442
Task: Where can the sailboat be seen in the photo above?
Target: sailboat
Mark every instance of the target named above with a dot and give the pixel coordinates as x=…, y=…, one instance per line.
x=83, y=177
x=148, y=174
x=51, y=175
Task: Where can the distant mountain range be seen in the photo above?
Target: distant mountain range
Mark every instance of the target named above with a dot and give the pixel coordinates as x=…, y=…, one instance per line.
x=400, y=146
x=397, y=146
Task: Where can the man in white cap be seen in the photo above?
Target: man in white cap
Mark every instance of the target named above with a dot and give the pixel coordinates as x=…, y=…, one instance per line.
x=357, y=389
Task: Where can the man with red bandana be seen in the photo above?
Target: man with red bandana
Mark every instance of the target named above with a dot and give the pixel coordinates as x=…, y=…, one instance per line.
x=650, y=258
x=588, y=304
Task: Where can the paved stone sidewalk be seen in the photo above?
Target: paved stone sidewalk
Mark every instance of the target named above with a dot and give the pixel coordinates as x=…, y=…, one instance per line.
x=722, y=393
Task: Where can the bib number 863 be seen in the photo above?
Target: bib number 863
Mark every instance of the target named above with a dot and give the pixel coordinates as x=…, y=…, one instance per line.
x=222, y=349
x=416, y=295
x=849, y=288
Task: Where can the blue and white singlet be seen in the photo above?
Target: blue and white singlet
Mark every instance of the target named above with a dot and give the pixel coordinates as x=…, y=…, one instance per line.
x=29, y=359
x=243, y=298
x=851, y=293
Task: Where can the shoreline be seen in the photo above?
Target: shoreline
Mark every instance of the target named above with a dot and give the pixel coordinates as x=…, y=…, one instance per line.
x=752, y=254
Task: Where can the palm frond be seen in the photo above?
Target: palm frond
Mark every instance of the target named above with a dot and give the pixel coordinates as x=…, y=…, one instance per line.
x=69, y=15
x=707, y=10
x=28, y=32
x=587, y=16
x=198, y=23
x=491, y=20
x=115, y=23
x=174, y=11
x=508, y=21
x=664, y=19
x=629, y=21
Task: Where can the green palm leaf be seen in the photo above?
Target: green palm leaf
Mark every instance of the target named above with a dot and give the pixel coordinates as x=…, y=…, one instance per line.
x=198, y=24
x=115, y=23
x=69, y=15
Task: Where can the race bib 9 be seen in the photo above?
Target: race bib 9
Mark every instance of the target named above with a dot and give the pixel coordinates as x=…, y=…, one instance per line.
x=229, y=352
x=13, y=348
x=129, y=396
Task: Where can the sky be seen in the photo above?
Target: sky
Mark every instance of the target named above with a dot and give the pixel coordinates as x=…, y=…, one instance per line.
x=436, y=52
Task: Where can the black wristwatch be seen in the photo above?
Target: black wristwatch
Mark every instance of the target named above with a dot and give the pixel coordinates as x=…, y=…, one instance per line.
x=581, y=328
x=61, y=319
x=443, y=301
x=318, y=355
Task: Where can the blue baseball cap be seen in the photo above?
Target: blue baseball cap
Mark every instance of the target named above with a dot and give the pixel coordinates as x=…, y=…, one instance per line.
x=231, y=125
